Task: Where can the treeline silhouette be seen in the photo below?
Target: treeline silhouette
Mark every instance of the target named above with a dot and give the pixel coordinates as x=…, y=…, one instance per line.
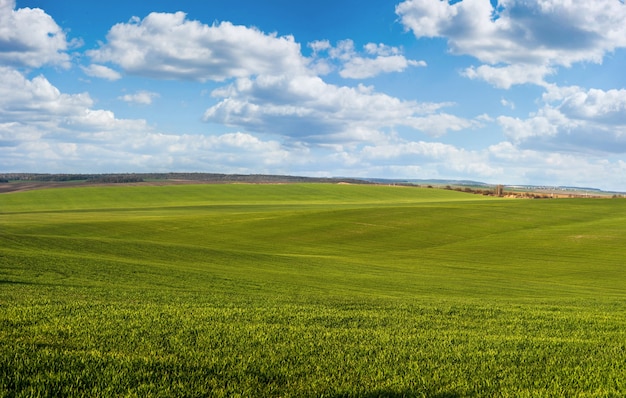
x=143, y=177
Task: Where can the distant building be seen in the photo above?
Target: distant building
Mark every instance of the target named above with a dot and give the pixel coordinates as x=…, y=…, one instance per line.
x=499, y=190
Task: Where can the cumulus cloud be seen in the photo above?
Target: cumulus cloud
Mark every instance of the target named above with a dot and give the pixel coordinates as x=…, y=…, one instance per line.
x=606, y=107
x=573, y=119
x=151, y=151
x=305, y=108
x=507, y=103
x=442, y=159
x=141, y=97
x=102, y=72
x=539, y=34
x=30, y=38
x=362, y=68
x=45, y=130
x=37, y=110
x=528, y=166
x=376, y=59
x=229, y=152
x=276, y=89
x=24, y=100
x=503, y=162
x=507, y=76
x=169, y=46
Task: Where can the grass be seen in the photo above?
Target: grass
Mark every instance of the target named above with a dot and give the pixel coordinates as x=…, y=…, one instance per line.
x=309, y=290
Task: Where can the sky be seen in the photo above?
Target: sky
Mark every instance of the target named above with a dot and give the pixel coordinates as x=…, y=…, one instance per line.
x=509, y=92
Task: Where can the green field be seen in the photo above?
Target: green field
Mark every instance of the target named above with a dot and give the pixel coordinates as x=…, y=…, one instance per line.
x=310, y=290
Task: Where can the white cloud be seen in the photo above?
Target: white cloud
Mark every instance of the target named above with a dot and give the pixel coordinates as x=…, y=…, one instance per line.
x=230, y=152
x=542, y=124
x=39, y=111
x=377, y=59
x=45, y=130
x=319, y=45
x=500, y=163
x=439, y=158
x=362, y=68
x=438, y=124
x=507, y=103
x=507, y=76
x=98, y=124
x=149, y=151
x=36, y=100
x=538, y=33
x=607, y=107
x=381, y=49
x=169, y=46
x=140, y=97
x=305, y=108
x=102, y=72
x=573, y=120
x=527, y=166
x=30, y=38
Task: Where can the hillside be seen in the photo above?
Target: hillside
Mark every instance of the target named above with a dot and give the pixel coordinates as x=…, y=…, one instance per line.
x=307, y=290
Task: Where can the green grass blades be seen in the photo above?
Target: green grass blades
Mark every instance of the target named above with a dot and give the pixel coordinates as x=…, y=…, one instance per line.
x=309, y=290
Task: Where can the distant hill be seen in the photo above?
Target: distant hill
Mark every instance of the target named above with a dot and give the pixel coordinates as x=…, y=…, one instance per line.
x=147, y=177
x=429, y=182
x=113, y=178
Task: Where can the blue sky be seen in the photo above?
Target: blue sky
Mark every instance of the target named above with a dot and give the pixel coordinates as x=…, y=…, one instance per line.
x=508, y=91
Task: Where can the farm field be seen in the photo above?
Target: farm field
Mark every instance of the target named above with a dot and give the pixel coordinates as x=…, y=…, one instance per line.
x=310, y=290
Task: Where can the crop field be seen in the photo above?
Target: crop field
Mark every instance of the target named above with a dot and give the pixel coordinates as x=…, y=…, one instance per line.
x=309, y=290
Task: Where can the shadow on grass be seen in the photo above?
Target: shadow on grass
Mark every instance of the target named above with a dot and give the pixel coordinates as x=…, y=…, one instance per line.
x=7, y=282
x=399, y=394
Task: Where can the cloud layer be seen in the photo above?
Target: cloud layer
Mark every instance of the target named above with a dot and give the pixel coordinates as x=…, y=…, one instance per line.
x=305, y=108
x=573, y=120
x=521, y=41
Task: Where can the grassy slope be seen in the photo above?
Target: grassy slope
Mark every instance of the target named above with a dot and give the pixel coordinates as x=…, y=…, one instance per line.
x=310, y=289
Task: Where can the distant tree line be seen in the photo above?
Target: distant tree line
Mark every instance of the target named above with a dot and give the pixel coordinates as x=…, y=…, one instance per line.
x=45, y=177
x=204, y=177
x=116, y=179
x=95, y=178
x=477, y=191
